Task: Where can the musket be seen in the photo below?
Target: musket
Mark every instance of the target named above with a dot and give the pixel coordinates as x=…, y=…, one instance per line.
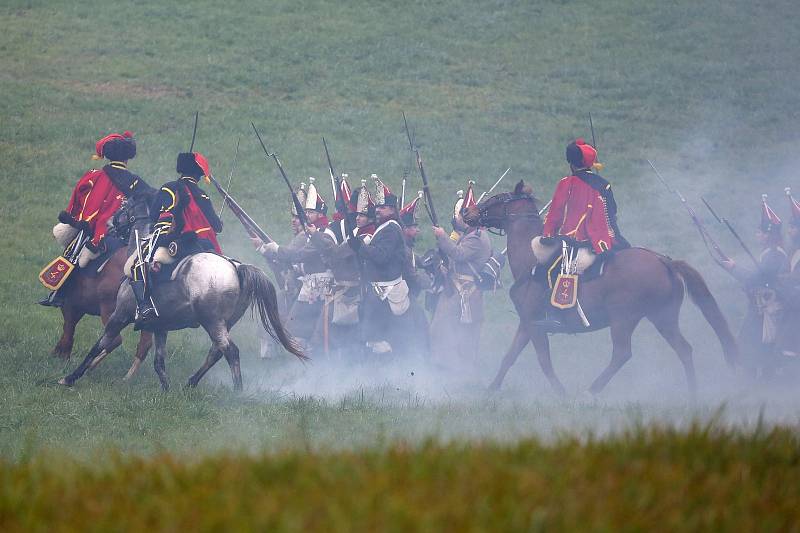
x=194, y=132
x=708, y=240
x=723, y=220
x=301, y=212
x=425, y=187
x=336, y=183
x=250, y=225
x=230, y=178
x=496, y=183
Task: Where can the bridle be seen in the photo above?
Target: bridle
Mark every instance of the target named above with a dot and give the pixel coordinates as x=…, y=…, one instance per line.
x=496, y=223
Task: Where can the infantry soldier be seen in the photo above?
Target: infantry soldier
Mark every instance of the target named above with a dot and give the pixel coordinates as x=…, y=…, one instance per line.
x=583, y=211
x=286, y=275
x=758, y=333
x=386, y=299
x=458, y=317
x=341, y=323
x=95, y=199
x=316, y=278
x=789, y=333
x=416, y=277
x=185, y=223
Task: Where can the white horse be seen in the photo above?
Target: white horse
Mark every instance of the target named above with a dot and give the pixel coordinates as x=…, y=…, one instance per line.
x=208, y=291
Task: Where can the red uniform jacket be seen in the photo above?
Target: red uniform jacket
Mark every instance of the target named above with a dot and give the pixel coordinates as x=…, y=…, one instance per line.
x=581, y=211
x=184, y=208
x=94, y=200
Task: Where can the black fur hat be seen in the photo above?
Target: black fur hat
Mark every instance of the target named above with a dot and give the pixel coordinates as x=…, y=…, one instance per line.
x=120, y=149
x=187, y=166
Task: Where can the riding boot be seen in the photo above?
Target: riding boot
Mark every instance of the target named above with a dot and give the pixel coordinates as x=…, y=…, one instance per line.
x=54, y=299
x=145, y=312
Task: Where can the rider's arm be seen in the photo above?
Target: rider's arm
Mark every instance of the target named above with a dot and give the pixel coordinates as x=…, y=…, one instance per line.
x=555, y=215
x=166, y=203
x=598, y=226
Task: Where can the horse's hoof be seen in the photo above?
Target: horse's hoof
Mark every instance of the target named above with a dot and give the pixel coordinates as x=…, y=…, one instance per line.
x=64, y=381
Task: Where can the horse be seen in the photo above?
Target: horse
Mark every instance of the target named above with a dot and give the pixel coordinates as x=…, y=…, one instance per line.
x=636, y=283
x=208, y=291
x=96, y=295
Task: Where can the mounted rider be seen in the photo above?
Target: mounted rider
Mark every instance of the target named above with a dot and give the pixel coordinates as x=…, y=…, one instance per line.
x=583, y=212
x=185, y=223
x=95, y=199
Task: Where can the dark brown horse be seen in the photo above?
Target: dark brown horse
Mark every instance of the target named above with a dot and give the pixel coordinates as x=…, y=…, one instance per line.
x=96, y=296
x=636, y=283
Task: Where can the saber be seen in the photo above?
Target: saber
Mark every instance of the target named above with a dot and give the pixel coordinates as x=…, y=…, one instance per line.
x=591, y=127
x=230, y=179
x=194, y=132
x=301, y=212
x=496, y=183
x=546, y=206
x=403, y=192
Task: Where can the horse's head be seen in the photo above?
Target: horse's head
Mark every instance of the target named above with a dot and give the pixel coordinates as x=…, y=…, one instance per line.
x=496, y=212
x=134, y=213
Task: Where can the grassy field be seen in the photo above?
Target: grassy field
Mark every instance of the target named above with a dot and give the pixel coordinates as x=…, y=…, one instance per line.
x=646, y=480
x=707, y=90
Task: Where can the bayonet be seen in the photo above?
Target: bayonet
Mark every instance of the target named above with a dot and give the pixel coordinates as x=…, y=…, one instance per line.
x=230, y=179
x=727, y=224
x=709, y=242
x=425, y=186
x=496, y=183
x=301, y=212
x=336, y=183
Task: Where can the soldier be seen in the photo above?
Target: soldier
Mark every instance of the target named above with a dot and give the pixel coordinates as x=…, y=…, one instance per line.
x=416, y=277
x=315, y=276
x=386, y=299
x=758, y=333
x=341, y=323
x=286, y=275
x=185, y=223
x=95, y=199
x=583, y=211
x=456, y=323
x=789, y=334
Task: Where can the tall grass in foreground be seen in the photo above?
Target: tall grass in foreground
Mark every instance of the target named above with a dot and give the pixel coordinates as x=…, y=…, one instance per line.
x=706, y=478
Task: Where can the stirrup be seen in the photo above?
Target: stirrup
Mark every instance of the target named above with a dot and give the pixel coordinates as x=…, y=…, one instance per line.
x=52, y=300
x=551, y=325
x=144, y=317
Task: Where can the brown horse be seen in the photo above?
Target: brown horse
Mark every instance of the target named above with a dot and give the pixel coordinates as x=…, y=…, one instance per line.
x=636, y=283
x=96, y=296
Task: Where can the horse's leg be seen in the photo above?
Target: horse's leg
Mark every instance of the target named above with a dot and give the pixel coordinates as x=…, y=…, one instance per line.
x=214, y=355
x=541, y=343
x=145, y=342
x=232, y=356
x=670, y=330
x=621, y=333
x=159, y=361
x=115, y=325
x=71, y=316
x=521, y=339
x=106, y=308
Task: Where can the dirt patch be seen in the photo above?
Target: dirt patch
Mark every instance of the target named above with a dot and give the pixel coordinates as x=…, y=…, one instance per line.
x=119, y=88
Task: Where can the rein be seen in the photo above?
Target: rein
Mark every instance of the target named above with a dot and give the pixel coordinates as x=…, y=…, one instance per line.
x=496, y=223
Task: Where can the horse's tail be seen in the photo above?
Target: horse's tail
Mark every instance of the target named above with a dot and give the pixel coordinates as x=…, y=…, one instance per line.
x=259, y=292
x=703, y=299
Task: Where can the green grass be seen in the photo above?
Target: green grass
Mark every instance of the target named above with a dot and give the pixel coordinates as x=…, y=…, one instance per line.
x=645, y=480
x=707, y=90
